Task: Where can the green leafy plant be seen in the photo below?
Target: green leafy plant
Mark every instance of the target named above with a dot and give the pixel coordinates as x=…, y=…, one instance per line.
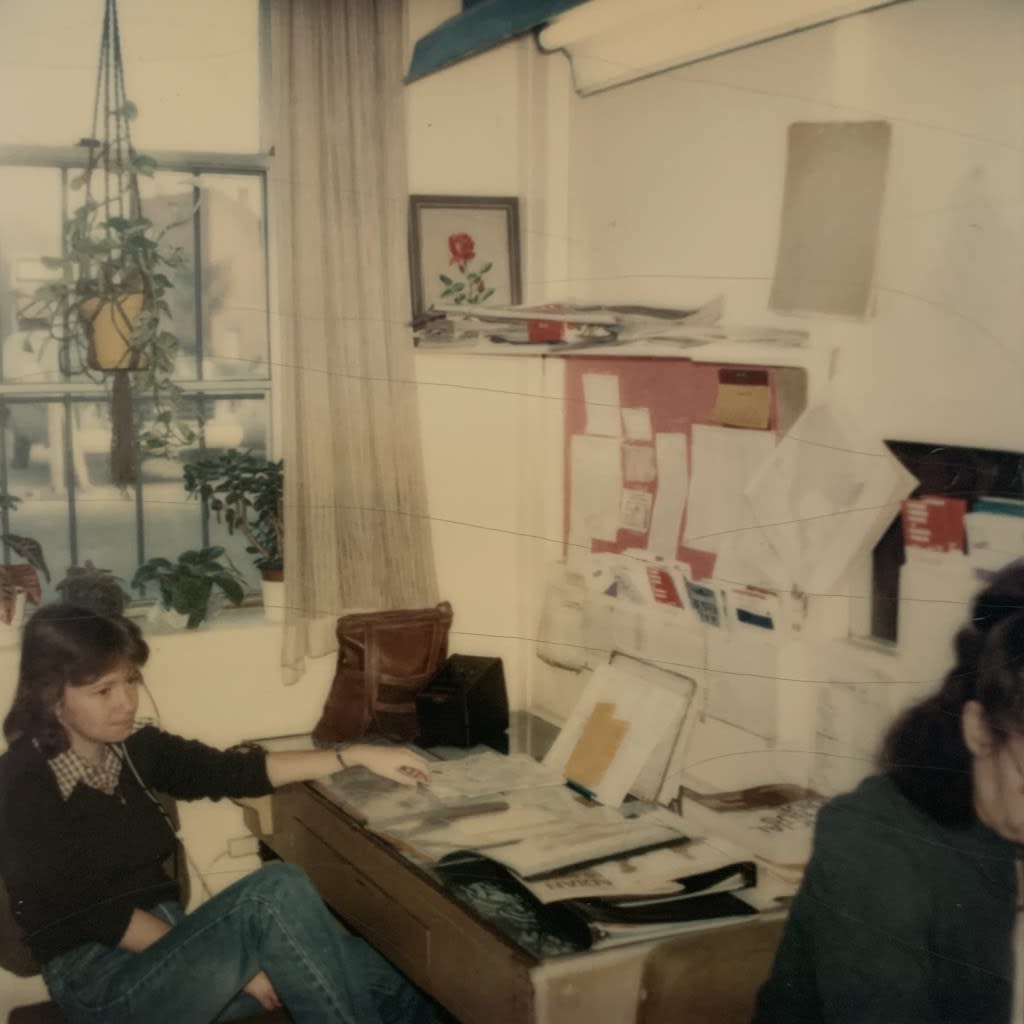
x=20, y=576
x=98, y=589
x=186, y=585
x=246, y=492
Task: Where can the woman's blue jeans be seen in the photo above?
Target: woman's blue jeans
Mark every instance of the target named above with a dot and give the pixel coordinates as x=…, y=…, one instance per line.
x=272, y=920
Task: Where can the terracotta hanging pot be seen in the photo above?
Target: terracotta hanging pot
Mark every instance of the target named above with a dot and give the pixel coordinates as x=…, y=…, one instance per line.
x=109, y=324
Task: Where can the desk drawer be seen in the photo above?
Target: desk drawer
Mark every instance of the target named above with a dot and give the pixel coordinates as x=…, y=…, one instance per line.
x=389, y=926
x=476, y=975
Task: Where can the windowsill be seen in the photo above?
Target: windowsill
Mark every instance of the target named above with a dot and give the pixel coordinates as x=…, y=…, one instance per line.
x=246, y=617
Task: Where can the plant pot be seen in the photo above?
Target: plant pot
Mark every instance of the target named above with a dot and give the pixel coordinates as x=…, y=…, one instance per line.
x=167, y=620
x=272, y=586
x=109, y=324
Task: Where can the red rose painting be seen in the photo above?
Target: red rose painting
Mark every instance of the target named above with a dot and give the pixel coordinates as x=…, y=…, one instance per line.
x=461, y=247
x=463, y=252
x=472, y=289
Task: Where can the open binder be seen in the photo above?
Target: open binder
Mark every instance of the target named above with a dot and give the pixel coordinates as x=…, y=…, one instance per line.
x=504, y=901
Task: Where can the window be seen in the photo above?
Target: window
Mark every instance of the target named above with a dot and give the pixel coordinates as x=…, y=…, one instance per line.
x=55, y=438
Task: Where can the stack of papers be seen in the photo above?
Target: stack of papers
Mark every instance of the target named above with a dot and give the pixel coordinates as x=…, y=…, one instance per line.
x=531, y=831
x=567, y=325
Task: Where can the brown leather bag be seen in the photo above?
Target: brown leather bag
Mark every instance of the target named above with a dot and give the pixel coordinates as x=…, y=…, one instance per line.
x=384, y=660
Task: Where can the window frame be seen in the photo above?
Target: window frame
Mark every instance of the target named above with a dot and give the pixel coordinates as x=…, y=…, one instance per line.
x=66, y=159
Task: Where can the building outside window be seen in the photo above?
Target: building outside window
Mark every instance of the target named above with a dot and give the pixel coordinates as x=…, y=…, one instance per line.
x=193, y=71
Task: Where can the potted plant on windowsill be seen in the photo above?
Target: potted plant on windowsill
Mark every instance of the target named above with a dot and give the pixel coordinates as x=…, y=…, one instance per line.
x=19, y=581
x=245, y=491
x=187, y=585
x=98, y=589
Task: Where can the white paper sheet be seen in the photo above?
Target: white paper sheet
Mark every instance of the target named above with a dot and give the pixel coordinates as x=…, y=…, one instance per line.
x=639, y=465
x=636, y=423
x=825, y=495
x=667, y=515
x=601, y=395
x=595, y=482
x=488, y=773
x=636, y=509
x=723, y=463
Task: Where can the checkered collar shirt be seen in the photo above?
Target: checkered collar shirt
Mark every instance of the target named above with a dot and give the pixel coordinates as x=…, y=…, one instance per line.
x=70, y=768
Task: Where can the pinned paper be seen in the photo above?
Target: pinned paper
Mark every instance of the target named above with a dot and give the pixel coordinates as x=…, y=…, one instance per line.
x=707, y=602
x=638, y=463
x=595, y=476
x=636, y=510
x=637, y=424
x=743, y=400
x=663, y=587
x=934, y=523
x=601, y=398
x=757, y=607
x=673, y=479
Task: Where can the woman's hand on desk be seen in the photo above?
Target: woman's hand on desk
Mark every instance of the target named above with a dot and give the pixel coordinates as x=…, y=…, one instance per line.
x=396, y=763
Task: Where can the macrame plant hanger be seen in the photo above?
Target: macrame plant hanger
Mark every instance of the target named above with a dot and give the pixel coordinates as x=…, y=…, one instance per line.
x=109, y=320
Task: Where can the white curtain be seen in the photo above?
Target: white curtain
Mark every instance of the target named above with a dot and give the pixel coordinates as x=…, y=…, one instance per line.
x=356, y=528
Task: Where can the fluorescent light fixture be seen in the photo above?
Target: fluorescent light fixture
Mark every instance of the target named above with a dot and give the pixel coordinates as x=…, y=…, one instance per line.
x=610, y=42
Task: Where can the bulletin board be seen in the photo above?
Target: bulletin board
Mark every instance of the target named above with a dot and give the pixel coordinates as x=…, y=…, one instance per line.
x=630, y=424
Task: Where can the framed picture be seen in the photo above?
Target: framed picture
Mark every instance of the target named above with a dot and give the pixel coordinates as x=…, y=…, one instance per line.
x=463, y=250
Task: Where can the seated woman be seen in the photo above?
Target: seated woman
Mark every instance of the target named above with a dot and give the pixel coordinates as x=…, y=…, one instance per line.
x=83, y=840
x=907, y=912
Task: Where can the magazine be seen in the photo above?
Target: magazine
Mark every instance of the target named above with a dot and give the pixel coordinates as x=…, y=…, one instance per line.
x=502, y=899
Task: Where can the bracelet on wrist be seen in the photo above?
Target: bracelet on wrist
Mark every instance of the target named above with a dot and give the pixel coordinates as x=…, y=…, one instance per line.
x=339, y=754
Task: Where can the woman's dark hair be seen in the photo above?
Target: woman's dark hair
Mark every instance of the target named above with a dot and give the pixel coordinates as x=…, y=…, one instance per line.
x=65, y=645
x=924, y=751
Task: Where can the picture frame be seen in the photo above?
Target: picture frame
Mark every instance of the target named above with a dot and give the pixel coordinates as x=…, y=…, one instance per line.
x=463, y=250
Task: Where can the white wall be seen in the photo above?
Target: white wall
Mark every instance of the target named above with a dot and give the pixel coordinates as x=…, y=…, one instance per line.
x=676, y=190
x=669, y=190
x=676, y=187
x=495, y=124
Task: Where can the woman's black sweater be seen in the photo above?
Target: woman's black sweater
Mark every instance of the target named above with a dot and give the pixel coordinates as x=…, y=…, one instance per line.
x=76, y=869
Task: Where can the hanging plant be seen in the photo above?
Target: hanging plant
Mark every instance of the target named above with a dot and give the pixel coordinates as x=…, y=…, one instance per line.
x=107, y=306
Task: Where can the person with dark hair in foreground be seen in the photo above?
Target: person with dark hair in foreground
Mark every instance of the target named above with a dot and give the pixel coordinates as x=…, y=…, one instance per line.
x=908, y=912
x=83, y=841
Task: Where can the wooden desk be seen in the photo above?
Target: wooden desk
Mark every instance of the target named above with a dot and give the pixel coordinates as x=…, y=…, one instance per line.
x=473, y=971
